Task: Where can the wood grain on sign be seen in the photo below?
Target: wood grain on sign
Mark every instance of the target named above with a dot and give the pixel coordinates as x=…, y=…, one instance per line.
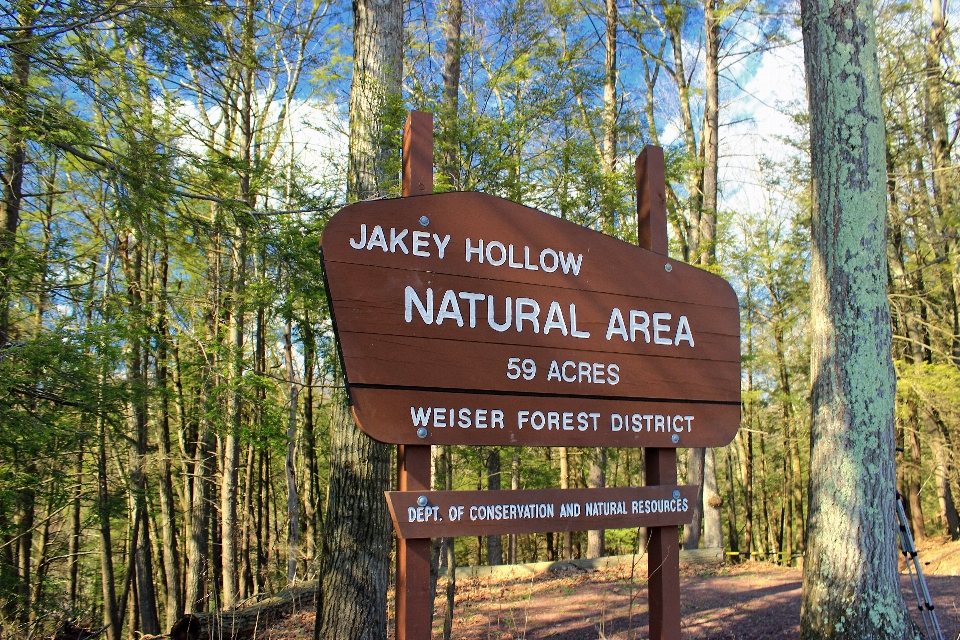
x=465, y=293
x=470, y=513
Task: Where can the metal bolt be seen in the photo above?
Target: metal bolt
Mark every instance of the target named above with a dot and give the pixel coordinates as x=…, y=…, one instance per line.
x=676, y=494
x=424, y=221
x=667, y=267
x=674, y=438
x=422, y=501
x=422, y=432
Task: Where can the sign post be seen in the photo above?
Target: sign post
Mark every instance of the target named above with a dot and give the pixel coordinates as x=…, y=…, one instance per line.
x=413, y=605
x=663, y=548
x=466, y=319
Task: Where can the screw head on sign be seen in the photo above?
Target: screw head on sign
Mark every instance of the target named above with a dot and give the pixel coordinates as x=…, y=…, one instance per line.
x=422, y=432
x=674, y=438
x=422, y=501
x=676, y=494
x=424, y=221
x=668, y=268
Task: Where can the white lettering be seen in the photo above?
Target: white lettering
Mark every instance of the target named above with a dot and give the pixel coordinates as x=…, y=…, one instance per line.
x=501, y=249
x=616, y=326
x=363, y=238
x=496, y=326
x=419, y=417
x=532, y=316
x=526, y=260
x=511, y=263
x=522, y=417
x=397, y=241
x=554, y=319
x=554, y=368
x=569, y=264
x=683, y=331
x=660, y=328
x=573, y=324
x=473, y=298
x=639, y=321
x=613, y=373
x=421, y=239
x=377, y=239
x=449, y=309
x=441, y=246
x=543, y=263
x=478, y=251
x=411, y=298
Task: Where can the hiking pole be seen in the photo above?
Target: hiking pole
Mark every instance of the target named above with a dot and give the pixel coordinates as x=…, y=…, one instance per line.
x=920, y=590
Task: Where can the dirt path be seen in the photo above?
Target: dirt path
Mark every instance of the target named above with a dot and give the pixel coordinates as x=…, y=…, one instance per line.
x=741, y=603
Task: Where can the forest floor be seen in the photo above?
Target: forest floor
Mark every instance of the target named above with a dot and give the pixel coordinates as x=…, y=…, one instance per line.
x=742, y=602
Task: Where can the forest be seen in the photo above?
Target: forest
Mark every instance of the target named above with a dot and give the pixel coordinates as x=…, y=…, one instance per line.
x=169, y=379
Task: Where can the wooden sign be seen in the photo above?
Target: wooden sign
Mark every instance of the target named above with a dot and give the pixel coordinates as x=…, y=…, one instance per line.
x=437, y=514
x=463, y=318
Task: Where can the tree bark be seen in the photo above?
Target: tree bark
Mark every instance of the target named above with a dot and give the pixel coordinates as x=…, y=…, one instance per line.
x=565, y=484
x=356, y=550
x=515, y=485
x=596, y=480
x=16, y=117
x=494, y=542
x=691, y=532
x=449, y=128
x=851, y=585
x=352, y=602
x=73, y=550
x=608, y=154
x=712, y=502
x=293, y=500
x=171, y=555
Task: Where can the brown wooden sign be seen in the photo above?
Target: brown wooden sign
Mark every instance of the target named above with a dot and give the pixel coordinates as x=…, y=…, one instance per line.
x=436, y=514
x=463, y=318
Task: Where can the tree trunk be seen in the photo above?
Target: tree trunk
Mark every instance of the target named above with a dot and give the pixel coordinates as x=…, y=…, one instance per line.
x=712, y=502
x=449, y=137
x=941, y=472
x=16, y=116
x=293, y=500
x=355, y=563
x=691, y=532
x=913, y=474
x=596, y=480
x=731, y=502
x=132, y=254
x=197, y=542
x=111, y=614
x=311, y=484
x=494, y=542
x=674, y=24
x=771, y=550
x=352, y=601
x=171, y=556
x=247, y=583
x=851, y=585
x=73, y=550
x=515, y=485
x=565, y=484
x=609, y=151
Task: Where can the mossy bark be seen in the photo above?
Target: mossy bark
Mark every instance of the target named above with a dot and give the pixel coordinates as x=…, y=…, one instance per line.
x=850, y=579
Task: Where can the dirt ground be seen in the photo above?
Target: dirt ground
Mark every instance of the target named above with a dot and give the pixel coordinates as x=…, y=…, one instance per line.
x=743, y=602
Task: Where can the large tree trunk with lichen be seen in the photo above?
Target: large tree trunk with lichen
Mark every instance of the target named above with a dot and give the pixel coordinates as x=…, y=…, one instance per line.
x=850, y=580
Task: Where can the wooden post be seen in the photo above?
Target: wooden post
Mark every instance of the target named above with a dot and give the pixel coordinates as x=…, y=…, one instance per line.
x=663, y=548
x=413, y=621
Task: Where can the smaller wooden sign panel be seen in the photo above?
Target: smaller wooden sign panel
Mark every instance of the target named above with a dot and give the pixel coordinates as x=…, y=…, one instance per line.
x=441, y=514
